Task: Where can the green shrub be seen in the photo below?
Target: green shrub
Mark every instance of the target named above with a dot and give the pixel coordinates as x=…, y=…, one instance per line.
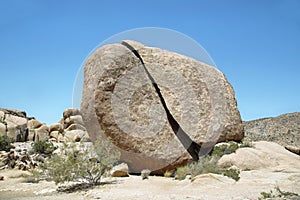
x=277, y=193
x=80, y=163
x=232, y=173
x=43, y=147
x=5, y=143
x=223, y=149
x=206, y=165
x=181, y=172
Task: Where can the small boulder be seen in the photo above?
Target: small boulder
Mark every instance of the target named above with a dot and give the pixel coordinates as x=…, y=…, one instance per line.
x=54, y=134
x=74, y=135
x=33, y=124
x=56, y=127
x=120, y=170
x=70, y=112
x=77, y=119
x=145, y=173
x=42, y=133
x=75, y=127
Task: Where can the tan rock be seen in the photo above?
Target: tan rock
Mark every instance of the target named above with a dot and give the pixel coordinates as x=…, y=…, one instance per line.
x=120, y=170
x=263, y=155
x=33, y=124
x=70, y=112
x=54, y=134
x=61, y=138
x=75, y=127
x=56, y=127
x=31, y=135
x=2, y=116
x=2, y=129
x=42, y=133
x=77, y=119
x=119, y=100
x=16, y=127
x=74, y=135
x=210, y=179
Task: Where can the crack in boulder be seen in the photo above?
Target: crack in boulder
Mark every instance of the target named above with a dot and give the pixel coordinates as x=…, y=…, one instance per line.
x=192, y=147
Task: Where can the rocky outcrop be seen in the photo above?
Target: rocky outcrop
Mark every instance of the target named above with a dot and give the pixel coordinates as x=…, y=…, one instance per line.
x=18, y=157
x=70, y=128
x=15, y=124
x=119, y=99
x=263, y=155
x=284, y=129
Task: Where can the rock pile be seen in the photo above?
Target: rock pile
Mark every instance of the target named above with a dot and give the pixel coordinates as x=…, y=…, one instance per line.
x=16, y=125
x=18, y=158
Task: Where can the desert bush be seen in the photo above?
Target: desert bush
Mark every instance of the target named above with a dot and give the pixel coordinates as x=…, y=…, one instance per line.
x=232, y=173
x=206, y=165
x=223, y=149
x=181, y=172
x=5, y=143
x=43, y=147
x=278, y=193
x=83, y=163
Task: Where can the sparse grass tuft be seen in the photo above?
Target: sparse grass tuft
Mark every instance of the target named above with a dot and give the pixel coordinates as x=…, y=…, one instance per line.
x=168, y=174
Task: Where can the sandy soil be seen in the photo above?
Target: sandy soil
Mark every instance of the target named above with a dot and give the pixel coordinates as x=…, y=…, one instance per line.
x=208, y=186
x=272, y=166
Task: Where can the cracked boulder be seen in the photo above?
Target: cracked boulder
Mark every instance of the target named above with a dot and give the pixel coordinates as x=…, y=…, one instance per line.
x=120, y=101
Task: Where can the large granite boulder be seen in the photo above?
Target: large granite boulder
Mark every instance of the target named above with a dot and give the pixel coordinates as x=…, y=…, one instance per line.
x=120, y=101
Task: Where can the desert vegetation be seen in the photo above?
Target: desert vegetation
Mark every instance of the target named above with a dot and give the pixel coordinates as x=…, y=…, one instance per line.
x=209, y=163
x=78, y=162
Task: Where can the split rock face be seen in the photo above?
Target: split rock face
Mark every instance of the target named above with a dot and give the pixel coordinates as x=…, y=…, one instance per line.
x=120, y=101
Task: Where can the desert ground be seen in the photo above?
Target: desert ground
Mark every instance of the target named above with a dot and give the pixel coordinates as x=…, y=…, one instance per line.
x=264, y=167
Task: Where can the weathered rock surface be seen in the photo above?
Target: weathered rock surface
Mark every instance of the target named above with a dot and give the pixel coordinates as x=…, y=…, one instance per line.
x=284, y=129
x=13, y=123
x=70, y=128
x=119, y=99
x=263, y=155
x=17, y=158
x=16, y=125
x=120, y=170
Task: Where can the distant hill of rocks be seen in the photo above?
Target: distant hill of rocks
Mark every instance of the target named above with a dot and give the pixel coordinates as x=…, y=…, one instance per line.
x=283, y=129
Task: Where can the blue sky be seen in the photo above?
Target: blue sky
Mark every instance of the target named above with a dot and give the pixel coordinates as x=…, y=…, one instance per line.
x=255, y=43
